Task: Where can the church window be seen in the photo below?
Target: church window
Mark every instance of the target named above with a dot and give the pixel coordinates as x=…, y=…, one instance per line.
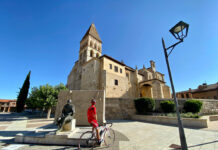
x=97, y=55
x=116, y=82
x=95, y=46
x=110, y=66
x=127, y=75
x=91, y=54
x=85, y=44
x=121, y=70
x=91, y=44
x=116, y=69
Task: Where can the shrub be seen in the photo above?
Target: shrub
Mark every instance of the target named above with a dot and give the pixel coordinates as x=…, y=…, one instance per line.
x=189, y=115
x=193, y=106
x=184, y=115
x=167, y=106
x=144, y=105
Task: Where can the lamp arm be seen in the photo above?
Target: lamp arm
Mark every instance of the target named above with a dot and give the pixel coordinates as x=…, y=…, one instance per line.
x=168, y=54
x=172, y=46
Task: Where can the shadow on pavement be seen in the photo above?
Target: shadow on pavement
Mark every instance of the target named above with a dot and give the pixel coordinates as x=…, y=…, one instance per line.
x=22, y=116
x=203, y=144
x=13, y=133
x=48, y=126
x=118, y=137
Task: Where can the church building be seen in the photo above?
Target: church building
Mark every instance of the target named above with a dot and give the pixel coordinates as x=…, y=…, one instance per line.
x=94, y=71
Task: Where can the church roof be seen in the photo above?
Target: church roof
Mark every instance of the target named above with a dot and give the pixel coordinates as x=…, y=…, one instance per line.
x=203, y=88
x=93, y=32
x=121, y=63
x=111, y=58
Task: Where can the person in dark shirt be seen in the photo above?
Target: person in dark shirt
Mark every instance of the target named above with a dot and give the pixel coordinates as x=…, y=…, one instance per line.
x=67, y=114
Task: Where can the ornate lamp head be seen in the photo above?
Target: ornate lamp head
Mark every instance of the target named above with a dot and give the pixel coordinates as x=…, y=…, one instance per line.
x=180, y=30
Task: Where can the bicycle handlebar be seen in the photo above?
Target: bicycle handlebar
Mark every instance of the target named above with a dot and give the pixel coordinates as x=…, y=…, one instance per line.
x=111, y=124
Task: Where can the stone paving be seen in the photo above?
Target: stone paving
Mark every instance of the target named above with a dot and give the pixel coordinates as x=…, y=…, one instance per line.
x=130, y=135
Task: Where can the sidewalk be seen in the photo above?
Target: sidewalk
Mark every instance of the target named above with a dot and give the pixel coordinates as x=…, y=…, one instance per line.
x=130, y=135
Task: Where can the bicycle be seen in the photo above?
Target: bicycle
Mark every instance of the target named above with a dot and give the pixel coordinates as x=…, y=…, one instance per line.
x=89, y=138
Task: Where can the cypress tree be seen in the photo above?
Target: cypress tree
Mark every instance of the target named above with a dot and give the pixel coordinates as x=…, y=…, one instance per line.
x=22, y=96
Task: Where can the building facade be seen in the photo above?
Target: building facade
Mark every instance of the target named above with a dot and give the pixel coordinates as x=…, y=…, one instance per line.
x=7, y=105
x=94, y=71
x=203, y=91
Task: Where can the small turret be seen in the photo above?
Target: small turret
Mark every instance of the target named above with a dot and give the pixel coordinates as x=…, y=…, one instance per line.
x=144, y=66
x=153, y=66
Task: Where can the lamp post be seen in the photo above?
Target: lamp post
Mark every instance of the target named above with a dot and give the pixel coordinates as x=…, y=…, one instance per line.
x=179, y=31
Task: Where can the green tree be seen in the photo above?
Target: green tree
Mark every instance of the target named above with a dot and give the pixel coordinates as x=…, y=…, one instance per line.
x=45, y=97
x=22, y=96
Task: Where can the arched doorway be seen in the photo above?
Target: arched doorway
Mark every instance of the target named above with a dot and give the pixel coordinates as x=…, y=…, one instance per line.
x=146, y=91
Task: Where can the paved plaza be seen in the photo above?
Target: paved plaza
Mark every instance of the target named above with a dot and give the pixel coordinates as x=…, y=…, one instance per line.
x=130, y=135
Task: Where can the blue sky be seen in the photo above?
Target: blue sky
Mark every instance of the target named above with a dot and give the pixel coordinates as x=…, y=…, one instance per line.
x=43, y=36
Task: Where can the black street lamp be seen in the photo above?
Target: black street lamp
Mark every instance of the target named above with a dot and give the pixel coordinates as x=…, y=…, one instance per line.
x=179, y=31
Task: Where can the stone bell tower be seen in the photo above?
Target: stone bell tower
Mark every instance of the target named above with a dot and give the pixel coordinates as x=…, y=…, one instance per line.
x=90, y=45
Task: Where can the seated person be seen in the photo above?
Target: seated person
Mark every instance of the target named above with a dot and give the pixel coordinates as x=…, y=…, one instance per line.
x=67, y=114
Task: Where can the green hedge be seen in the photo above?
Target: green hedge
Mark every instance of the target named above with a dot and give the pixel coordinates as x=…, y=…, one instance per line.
x=167, y=106
x=193, y=106
x=144, y=105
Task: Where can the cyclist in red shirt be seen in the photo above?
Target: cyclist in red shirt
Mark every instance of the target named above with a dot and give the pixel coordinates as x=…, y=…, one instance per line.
x=92, y=118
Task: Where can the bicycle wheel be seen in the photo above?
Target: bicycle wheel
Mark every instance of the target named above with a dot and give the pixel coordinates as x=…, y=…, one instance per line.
x=109, y=137
x=87, y=139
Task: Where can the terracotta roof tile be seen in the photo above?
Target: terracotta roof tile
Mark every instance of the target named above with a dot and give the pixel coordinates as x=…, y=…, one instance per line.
x=7, y=100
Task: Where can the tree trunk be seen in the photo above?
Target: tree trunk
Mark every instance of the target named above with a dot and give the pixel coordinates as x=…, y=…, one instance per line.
x=49, y=113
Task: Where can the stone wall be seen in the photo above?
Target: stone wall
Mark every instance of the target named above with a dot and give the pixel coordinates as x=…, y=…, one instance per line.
x=187, y=122
x=74, y=78
x=119, y=108
x=81, y=100
x=113, y=90
x=156, y=87
x=210, y=107
x=166, y=91
x=123, y=108
x=127, y=85
x=91, y=75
